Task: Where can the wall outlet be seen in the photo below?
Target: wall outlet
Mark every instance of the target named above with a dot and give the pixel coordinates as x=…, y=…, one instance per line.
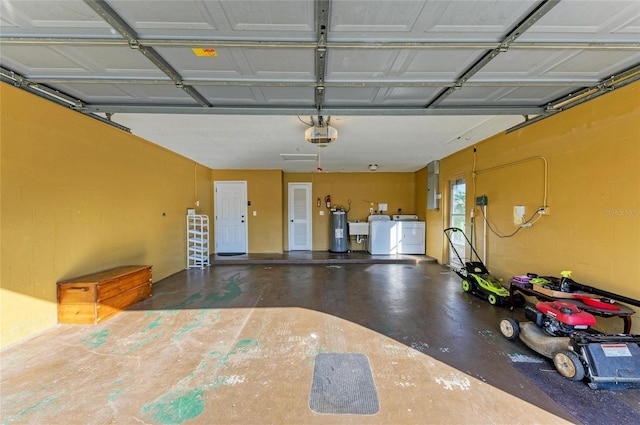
x=545, y=210
x=518, y=214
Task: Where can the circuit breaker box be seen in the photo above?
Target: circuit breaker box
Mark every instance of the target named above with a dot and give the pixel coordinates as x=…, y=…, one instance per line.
x=433, y=174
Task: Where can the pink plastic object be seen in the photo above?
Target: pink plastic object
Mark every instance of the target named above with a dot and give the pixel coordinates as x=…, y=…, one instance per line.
x=522, y=279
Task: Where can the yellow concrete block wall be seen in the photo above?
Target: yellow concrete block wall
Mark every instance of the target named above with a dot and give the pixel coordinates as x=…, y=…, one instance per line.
x=80, y=196
x=593, y=189
x=355, y=192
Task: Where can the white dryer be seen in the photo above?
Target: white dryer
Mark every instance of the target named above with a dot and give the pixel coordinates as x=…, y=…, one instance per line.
x=411, y=234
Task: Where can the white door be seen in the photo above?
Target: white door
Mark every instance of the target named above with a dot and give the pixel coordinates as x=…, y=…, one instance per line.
x=300, y=217
x=230, y=225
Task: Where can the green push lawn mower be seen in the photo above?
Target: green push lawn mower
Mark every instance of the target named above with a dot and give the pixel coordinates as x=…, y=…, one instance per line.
x=476, y=279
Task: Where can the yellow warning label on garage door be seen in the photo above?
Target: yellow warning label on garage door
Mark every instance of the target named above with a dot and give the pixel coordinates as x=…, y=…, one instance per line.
x=204, y=51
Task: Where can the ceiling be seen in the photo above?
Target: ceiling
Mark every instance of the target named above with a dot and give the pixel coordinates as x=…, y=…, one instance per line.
x=233, y=84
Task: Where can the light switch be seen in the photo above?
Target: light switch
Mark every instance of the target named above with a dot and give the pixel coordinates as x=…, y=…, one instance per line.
x=321, y=212
x=255, y=213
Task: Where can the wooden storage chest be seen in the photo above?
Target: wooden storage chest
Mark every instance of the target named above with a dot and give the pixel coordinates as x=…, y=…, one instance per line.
x=94, y=298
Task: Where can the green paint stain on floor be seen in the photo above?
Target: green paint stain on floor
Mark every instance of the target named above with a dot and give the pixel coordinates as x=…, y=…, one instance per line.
x=230, y=291
x=96, y=339
x=156, y=323
x=242, y=346
x=30, y=409
x=175, y=410
x=195, y=324
x=117, y=391
x=245, y=345
x=388, y=329
x=182, y=403
x=142, y=343
x=187, y=302
x=114, y=394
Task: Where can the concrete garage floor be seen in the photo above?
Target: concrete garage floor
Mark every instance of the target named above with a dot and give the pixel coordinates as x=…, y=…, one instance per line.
x=236, y=344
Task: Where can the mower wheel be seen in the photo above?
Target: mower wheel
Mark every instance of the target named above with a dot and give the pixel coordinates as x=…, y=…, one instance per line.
x=493, y=299
x=466, y=285
x=509, y=328
x=569, y=365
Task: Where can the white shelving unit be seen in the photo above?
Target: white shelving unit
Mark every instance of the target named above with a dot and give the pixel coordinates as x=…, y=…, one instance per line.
x=197, y=241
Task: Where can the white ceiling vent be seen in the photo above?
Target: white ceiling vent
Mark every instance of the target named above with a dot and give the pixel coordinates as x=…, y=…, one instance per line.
x=299, y=156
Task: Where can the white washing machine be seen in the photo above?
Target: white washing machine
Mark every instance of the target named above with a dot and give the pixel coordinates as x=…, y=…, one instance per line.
x=382, y=235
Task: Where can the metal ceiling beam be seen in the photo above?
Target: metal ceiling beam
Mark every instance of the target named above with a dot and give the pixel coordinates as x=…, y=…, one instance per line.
x=275, y=44
x=39, y=89
x=310, y=110
x=614, y=82
x=609, y=84
x=310, y=84
x=542, y=9
x=322, y=26
x=112, y=18
x=631, y=45
x=51, y=95
x=449, y=45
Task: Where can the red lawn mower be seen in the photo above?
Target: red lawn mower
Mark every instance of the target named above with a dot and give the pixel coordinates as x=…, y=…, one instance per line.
x=561, y=331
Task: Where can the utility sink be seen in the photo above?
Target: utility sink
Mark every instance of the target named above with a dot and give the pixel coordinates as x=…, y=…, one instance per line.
x=358, y=228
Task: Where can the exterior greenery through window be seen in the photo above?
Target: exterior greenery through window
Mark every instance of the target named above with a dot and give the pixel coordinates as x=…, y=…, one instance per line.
x=457, y=219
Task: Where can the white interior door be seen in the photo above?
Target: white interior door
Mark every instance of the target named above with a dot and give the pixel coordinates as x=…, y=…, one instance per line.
x=300, y=217
x=230, y=224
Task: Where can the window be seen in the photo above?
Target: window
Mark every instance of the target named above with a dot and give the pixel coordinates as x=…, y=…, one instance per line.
x=457, y=219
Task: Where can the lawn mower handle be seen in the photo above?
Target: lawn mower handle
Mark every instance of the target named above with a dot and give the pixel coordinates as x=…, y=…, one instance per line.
x=473, y=250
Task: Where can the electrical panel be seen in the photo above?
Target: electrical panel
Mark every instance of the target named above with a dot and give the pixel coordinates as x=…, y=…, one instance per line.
x=433, y=173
